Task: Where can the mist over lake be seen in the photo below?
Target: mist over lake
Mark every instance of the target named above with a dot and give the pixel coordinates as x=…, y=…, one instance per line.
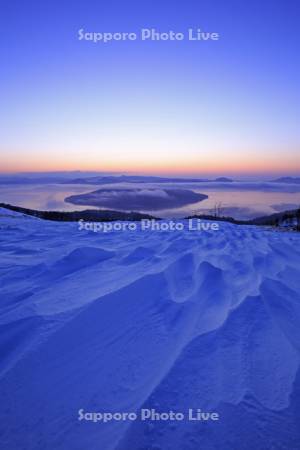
x=142, y=199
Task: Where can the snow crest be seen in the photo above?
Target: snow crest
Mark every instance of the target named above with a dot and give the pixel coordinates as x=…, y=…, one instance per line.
x=165, y=320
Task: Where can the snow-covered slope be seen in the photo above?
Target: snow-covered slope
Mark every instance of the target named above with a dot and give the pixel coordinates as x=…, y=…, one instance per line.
x=165, y=320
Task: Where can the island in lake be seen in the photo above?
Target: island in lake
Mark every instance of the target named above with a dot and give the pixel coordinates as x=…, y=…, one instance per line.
x=137, y=199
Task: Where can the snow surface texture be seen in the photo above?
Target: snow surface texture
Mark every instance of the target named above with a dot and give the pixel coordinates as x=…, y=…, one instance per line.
x=164, y=320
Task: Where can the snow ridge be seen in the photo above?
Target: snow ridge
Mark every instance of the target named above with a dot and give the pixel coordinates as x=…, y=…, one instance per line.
x=165, y=320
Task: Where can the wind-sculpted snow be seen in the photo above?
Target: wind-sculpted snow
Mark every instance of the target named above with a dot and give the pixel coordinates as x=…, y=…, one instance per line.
x=167, y=320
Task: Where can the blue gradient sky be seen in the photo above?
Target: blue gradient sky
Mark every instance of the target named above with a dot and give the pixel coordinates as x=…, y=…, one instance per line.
x=224, y=107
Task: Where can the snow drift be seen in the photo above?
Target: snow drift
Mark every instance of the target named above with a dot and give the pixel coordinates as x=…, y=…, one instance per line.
x=164, y=320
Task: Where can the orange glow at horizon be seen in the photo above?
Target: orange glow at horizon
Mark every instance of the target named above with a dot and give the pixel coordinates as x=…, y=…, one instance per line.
x=155, y=160
x=243, y=165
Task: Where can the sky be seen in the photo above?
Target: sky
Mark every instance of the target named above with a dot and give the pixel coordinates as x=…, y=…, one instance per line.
x=221, y=107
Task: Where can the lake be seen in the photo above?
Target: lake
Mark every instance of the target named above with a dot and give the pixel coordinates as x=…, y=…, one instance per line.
x=242, y=200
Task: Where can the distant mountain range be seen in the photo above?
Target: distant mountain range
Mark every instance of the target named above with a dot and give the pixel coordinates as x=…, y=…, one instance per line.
x=294, y=180
x=65, y=178
x=99, y=178
x=143, y=179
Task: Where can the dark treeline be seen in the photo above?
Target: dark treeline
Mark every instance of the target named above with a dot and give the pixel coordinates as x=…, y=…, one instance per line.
x=88, y=215
x=290, y=219
x=286, y=218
